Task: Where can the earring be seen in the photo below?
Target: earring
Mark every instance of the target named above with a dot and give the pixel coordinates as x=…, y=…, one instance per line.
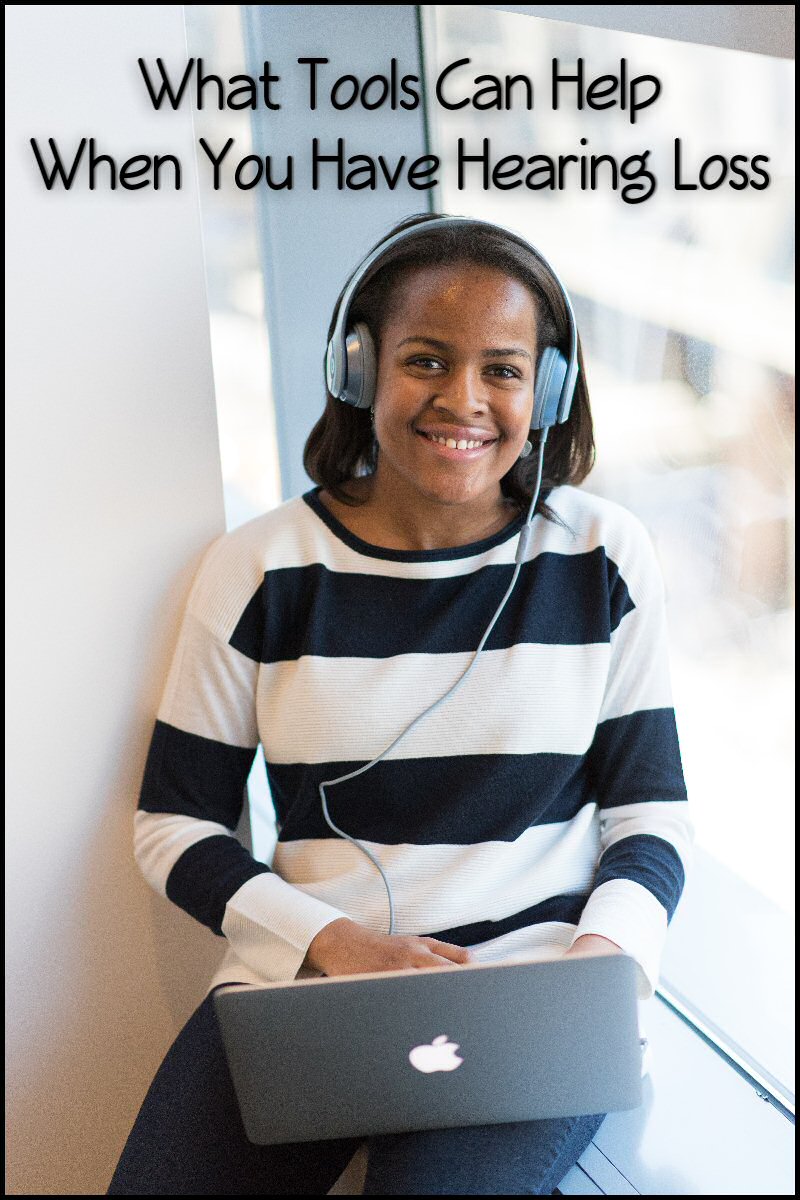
x=372, y=416
x=526, y=449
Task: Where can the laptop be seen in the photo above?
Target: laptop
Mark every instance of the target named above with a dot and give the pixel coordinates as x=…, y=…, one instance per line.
x=394, y=1051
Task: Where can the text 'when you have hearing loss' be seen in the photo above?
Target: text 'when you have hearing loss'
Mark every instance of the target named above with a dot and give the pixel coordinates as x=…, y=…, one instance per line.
x=333, y=168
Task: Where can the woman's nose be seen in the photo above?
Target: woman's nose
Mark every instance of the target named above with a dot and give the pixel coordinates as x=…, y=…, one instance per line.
x=465, y=387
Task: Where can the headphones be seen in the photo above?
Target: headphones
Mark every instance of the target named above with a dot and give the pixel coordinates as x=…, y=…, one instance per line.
x=351, y=363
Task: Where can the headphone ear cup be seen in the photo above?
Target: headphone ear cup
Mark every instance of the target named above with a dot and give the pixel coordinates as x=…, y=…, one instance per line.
x=550, y=376
x=362, y=368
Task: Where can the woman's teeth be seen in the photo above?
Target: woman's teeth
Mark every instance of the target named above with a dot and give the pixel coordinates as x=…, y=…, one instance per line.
x=453, y=444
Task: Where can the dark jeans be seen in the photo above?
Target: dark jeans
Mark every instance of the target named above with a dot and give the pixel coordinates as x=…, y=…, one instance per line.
x=188, y=1140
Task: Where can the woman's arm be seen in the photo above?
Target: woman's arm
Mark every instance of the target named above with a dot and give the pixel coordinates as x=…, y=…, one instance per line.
x=193, y=791
x=634, y=762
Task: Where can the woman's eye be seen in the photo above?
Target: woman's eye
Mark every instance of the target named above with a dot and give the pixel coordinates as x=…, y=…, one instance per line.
x=513, y=372
x=501, y=371
x=421, y=362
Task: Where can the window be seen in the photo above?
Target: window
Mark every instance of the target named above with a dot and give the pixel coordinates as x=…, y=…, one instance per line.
x=239, y=335
x=685, y=306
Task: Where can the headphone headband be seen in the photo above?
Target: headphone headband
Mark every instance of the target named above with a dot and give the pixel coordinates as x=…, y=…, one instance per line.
x=554, y=397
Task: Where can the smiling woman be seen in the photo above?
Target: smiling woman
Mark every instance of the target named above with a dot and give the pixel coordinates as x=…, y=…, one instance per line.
x=458, y=320
x=447, y=609
x=453, y=343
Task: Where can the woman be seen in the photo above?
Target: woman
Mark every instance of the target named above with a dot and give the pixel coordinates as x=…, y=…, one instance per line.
x=539, y=812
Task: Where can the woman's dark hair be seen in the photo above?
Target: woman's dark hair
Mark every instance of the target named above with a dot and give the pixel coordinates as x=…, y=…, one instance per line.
x=341, y=445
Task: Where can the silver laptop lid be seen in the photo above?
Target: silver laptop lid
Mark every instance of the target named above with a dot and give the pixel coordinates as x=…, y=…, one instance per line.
x=470, y=1044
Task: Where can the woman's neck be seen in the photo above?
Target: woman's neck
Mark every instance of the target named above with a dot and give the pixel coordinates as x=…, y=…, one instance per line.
x=385, y=521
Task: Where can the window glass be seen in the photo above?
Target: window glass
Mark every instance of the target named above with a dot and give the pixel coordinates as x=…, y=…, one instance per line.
x=239, y=335
x=685, y=306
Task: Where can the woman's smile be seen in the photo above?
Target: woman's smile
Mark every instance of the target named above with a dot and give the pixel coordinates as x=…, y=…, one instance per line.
x=455, y=449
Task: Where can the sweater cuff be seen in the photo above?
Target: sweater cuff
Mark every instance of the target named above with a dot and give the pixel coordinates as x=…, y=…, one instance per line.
x=628, y=914
x=271, y=923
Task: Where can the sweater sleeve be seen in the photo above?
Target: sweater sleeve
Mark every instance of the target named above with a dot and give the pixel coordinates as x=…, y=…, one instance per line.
x=194, y=786
x=646, y=835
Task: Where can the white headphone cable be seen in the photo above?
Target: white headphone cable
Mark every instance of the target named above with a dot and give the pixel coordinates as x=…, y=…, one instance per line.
x=522, y=545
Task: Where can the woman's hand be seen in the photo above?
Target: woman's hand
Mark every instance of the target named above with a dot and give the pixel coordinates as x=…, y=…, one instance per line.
x=346, y=948
x=591, y=944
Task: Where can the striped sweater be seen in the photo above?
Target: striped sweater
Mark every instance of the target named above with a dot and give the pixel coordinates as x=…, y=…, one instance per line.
x=544, y=800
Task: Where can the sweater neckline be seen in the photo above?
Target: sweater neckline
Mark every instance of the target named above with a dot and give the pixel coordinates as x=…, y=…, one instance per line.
x=411, y=556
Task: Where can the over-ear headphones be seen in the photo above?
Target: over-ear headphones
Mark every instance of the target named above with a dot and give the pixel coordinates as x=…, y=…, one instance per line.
x=351, y=365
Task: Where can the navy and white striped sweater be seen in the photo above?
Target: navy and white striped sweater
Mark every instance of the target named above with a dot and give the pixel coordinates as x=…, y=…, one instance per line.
x=544, y=800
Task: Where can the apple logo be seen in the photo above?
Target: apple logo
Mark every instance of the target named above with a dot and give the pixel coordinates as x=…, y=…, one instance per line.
x=440, y=1055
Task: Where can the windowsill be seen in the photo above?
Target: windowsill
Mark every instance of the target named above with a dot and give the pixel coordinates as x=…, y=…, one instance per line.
x=729, y=960
x=701, y=1130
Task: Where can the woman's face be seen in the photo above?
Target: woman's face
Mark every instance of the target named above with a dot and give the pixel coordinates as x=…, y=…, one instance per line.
x=457, y=359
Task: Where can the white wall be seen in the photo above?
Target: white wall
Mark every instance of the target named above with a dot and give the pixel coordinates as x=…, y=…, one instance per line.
x=113, y=491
